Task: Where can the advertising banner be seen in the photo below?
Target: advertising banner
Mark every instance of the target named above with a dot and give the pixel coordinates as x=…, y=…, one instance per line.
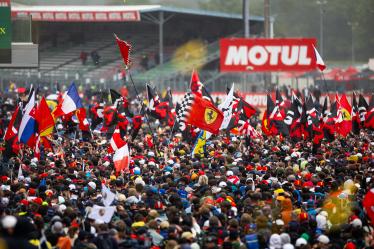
x=5, y=32
x=260, y=54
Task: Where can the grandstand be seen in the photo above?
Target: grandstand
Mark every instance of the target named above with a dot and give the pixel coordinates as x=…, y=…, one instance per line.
x=64, y=32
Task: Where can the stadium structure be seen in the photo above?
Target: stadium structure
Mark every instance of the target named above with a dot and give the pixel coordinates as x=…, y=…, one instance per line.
x=77, y=43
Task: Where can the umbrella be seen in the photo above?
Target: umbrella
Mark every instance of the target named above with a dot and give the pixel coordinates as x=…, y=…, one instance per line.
x=368, y=204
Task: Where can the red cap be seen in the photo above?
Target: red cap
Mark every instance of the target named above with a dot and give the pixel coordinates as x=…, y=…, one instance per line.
x=24, y=202
x=32, y=191
x=38, y=201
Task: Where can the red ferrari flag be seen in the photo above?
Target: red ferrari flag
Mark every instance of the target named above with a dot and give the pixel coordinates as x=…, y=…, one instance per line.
x=344, y=120
x=200, y=112
x=44, y=119
x=124, y=48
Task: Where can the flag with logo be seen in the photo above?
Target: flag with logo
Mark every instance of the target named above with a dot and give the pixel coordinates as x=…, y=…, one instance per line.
x=198, y=88
x=362, y=109
x=116, y=141
x=200, y=112
x=199, y=147
x=44, y=119
x=227, y=108
x=344, y=119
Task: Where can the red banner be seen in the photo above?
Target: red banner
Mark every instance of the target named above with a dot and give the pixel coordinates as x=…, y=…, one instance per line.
x=4, y=3
x=288, y=54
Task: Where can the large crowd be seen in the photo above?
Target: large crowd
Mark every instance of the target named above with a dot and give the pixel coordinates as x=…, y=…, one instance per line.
x=242, y=193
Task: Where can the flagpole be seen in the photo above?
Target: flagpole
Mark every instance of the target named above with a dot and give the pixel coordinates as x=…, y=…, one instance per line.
x=142, y=104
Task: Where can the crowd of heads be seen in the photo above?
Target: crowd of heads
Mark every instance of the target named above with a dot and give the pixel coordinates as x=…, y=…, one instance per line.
x=242, y=193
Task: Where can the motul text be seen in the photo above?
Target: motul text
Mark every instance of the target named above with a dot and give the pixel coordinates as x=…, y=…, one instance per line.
x=267, y=54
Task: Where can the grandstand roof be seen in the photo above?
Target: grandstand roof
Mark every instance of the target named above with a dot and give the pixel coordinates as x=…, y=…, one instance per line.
x=109, y=12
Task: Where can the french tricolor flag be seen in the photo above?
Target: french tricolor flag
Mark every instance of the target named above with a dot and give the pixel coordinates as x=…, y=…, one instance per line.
x=27, y=128
x=70, y=102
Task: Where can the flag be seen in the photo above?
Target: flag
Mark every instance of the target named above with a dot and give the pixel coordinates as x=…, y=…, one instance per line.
x=368, y=204
x=171, y=111
x=293, y=116
x=329, y=126
x=121, y=159
x=20, y=174
x=369, y=118
x=110, y=116
x=125, y=49
x=344, y=119
x=70, y=102
x=199, y=112
x=44, y=119
x=102, y=214
x=27, y=128
x=247, y=129
x=84, y=125
x=120, y=103
x=227, y=108
x=355, y=116
x=198, y=88
x=362, y=109
x=108, y=196
x=137, y=122
x=266, y=125
x=199, y=147
x=276, y=117
x=11, y=135
x=319, y=62
x=116, y=141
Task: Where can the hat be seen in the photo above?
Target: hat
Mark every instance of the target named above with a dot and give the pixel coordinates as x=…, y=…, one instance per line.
x=350, y=245
x=92, y=185
x=151, y=154
x=136, y=171
x=170, y=161
x=356, y=223
x=187, y=235
x=106, y=164
x=61, y=200
x=323, y=239
x=229, y=173
x=288, y=246
x=301, y=242
x=222, y=184
x=9, y=221
x=57, y=227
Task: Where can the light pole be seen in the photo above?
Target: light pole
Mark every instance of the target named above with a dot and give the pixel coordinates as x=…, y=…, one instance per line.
x=353, y=26
x=321, y=4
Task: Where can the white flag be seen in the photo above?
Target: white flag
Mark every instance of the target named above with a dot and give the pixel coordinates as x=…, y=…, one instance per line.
x=226, y=108
x=103, y=214
x=108, y=196
x=20, y=175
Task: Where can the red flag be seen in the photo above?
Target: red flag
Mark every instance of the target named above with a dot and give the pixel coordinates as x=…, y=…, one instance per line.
x=124, y=48
x=344, y=119
x=84, y=125
x=11, y=138
x=368, y=204
x=116, y=141
x=121, y=159
x=202, y=113
x=369, y=117
x=44, y=118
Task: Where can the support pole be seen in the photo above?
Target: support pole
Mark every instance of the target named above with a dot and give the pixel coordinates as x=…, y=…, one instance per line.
x=161, y=37
x=246, y=18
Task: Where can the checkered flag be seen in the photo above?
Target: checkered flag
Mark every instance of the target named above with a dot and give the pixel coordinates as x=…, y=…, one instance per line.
x=183, y=109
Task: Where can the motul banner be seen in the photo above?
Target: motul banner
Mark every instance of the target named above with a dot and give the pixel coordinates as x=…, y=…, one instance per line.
x=253, y=55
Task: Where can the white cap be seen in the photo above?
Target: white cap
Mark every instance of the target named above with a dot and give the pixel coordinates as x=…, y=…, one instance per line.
x=323, y=239
x=61, y=200
x=151, y=154
x=279, y=222
x=288, y=246
x=9, y=221
x=170, y=161
x=229, y=173
x=357, y=223
x=62, y=208
x=301, y=242
x=92, y=185
x=106, y=164
x=72, y=187
x=222, y=184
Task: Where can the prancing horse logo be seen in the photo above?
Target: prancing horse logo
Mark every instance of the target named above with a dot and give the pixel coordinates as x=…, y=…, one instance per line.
x=210, y=115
